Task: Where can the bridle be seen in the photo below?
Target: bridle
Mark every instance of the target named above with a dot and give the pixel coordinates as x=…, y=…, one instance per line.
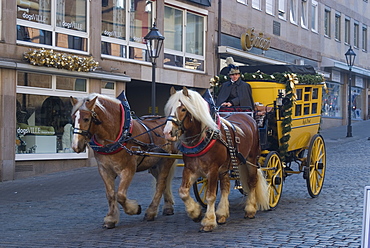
x=94, y=119
x=179, y=123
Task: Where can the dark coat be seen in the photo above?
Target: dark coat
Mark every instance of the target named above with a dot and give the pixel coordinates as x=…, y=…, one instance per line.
x=244, y=94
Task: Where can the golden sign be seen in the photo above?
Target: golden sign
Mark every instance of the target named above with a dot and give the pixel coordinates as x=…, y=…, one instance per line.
x=250, y=39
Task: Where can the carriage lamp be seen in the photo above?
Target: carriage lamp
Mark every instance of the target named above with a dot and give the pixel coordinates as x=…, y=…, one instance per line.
x=279, y=99
x=154, y=42
x=350, y=58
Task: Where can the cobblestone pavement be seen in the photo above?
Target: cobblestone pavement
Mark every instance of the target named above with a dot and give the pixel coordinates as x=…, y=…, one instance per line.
x=66, y=209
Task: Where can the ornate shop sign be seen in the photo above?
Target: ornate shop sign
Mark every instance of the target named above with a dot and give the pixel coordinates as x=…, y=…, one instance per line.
x=250, y=39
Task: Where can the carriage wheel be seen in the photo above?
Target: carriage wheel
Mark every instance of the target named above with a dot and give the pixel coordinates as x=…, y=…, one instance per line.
x=200, y=190
x=274, y=175
x=316, y=165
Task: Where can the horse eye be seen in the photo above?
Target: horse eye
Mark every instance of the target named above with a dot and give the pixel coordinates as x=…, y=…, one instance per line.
x=183, y=110
x=86, y=119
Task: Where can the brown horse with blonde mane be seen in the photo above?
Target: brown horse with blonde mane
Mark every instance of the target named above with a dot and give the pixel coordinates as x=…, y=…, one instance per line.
x=225, y=144
x=107, y=125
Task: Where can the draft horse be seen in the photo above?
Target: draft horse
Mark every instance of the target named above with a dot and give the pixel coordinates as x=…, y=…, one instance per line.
x=107, y=126
x=211, y=149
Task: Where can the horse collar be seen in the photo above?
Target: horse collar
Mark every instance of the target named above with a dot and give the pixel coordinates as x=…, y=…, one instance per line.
x=120, y=142
x=203, y=145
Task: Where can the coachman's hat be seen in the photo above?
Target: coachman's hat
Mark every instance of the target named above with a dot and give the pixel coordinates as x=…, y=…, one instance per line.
x=233, y=69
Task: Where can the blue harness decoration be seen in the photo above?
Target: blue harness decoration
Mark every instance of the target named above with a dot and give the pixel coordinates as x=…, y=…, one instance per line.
x=125, y=132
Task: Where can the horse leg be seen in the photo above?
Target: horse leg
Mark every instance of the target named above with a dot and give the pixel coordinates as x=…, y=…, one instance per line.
x=222, y=212
x=169, y=201
x=162, y=173
x=209, y=221
x=131, y=207
x=193, y=208
x=112, y=217
x=248, y=176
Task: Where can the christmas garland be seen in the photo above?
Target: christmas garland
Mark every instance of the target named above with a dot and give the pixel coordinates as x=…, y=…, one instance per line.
x=290, y=80
x=43, y=57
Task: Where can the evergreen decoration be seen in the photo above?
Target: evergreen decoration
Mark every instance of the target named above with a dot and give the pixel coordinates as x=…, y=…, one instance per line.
x=287, y=78
x=49, y=58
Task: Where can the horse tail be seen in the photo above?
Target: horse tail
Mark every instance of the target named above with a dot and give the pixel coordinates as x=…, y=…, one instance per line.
x=262, y=191
x=261, y=188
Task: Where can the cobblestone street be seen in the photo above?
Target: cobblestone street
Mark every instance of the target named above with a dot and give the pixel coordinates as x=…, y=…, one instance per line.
x=66, y=209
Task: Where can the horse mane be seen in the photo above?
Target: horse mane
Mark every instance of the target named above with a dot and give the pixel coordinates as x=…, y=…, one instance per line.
x=196, y=106
x=99, y=102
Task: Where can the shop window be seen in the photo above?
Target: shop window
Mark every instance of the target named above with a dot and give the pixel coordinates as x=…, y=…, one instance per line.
x=356, y=103
x=43, y=114
x=63, y=25
x=44, y=124
x=299, y=94
x=332, y=100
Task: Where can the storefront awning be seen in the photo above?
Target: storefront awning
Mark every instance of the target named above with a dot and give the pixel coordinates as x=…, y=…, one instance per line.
x=230, y=51
x=326, y=62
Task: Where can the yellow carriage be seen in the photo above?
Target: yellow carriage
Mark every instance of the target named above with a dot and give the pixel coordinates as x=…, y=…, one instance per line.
x=288, y=113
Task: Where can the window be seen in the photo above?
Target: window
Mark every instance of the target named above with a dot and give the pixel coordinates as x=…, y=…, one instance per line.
x=282, y=9
x=364, y=37
x=242, y=1
x=185, y=38
x=124, y=25
x=304, y=15
x=60, y=23
x=347, y=28
x=43, y=114
x=256, y=4
x=314, y=16
x=293, y=11
x=332, y=100
x=337, y=26
x=270, y=7
x=356, y=34
x=327, y=22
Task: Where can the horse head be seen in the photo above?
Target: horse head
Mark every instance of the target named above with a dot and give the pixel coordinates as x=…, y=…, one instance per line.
x=84, y=117
x=187, y=112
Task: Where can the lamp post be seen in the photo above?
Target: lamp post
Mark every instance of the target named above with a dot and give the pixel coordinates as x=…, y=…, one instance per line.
x=154, y=41
x=350, y=58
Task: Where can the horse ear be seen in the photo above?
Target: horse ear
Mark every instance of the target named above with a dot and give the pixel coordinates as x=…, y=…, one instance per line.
x=74, y=100
x=172, y=91
x=185, y=91
x=91, y=103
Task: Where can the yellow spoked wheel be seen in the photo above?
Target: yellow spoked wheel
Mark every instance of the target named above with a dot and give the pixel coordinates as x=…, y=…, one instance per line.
x=274, y=175
x=200, y=191
x=316, y=166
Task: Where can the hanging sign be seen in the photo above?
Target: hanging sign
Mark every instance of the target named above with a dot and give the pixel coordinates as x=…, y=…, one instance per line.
x=250, y=39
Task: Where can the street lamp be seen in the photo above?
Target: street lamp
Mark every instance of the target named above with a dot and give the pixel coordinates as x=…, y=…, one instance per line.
x=350, y=58
x=154, y=41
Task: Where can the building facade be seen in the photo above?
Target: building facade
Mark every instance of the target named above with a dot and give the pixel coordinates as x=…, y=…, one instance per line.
x=54, y=49
x=304, y=32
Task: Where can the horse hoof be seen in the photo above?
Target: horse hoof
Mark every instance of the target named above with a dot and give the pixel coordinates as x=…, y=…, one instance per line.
x=221, y=220
x=109, y=225
x=198, y=219
x=206, y=229
x=168, y=211
x=249, y=217
x=147, y=218
x=138, y=210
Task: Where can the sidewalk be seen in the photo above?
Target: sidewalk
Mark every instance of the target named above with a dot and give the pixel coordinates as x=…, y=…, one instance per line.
x=360, y=130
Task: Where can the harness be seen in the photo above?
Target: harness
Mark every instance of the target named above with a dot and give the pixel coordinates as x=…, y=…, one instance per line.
x=203, y=145
x=121, y=140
